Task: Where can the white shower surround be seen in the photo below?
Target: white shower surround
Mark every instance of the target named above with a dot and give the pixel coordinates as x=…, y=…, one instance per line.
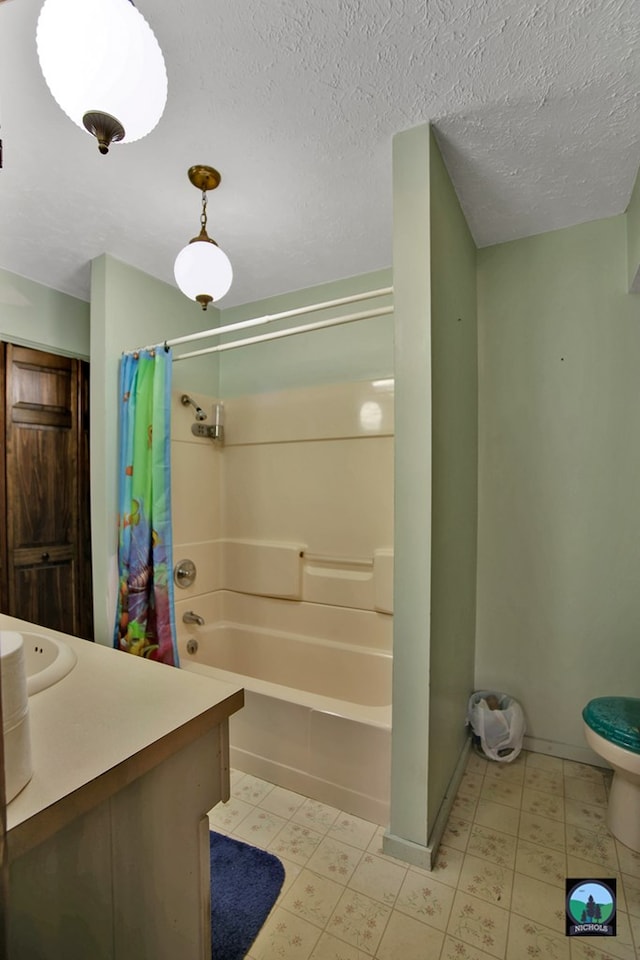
x=292, y=542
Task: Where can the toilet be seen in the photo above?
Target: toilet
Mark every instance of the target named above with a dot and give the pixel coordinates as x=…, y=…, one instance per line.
x=612, y=730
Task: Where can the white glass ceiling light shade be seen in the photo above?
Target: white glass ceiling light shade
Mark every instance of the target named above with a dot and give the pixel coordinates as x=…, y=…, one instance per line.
x=102, y=63
x=202, y=270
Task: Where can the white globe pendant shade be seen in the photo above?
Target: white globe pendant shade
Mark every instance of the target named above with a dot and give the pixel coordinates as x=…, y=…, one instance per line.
x=101, y=57
x=203, y=271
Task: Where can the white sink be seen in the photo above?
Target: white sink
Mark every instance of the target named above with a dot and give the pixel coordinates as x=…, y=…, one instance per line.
x=46, y=661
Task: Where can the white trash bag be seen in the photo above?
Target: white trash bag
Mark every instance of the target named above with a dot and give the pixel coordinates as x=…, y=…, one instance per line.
x=498, y=721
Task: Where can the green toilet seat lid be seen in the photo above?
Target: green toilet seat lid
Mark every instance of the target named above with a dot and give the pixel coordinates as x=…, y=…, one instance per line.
x=617, y=719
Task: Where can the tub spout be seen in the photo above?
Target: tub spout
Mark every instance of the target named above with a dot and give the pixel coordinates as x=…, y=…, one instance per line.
x=191, y=617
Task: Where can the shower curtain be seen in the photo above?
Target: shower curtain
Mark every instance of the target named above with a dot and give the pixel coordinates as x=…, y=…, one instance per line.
x=145, y=623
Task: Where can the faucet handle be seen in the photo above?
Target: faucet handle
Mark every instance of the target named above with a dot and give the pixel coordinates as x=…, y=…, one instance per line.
x=184, y=573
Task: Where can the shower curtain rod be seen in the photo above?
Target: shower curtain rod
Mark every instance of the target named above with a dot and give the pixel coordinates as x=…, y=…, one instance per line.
x=290, y=332
x=272, y=317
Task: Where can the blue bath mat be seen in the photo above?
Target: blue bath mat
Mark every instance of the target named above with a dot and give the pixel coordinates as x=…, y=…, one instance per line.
x=245, y=883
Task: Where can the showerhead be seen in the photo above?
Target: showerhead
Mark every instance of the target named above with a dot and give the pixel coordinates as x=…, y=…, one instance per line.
x=186, y=400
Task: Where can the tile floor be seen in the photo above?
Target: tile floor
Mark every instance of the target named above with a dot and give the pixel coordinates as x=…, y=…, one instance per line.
x=515, y=832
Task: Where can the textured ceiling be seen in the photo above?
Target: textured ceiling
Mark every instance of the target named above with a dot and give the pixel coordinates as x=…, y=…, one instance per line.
x=536, y=106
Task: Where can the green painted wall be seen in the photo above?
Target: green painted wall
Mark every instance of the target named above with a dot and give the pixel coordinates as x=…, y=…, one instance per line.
x=454, y=346
x=128, y=309
x=436, y=444
x=36, y=316
x=558, y=607
x=356, y=351
x=633, y=238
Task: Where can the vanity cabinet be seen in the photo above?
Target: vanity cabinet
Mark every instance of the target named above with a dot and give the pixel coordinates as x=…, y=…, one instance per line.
x=129, y=878
x=109, y=842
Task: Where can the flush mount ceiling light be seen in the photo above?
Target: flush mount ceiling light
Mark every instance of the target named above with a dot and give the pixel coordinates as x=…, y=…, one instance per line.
x=202, y=271
x=103, y=66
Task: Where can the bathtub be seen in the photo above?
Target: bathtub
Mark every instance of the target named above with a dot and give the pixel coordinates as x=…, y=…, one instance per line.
x=317, y=714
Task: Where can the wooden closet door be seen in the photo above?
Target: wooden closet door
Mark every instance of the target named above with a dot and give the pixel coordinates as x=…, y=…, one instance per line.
x=85, y=599
x=42, y=488
x=4, y=585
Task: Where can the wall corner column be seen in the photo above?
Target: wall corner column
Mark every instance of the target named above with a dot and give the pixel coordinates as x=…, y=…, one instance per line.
x=407, y=836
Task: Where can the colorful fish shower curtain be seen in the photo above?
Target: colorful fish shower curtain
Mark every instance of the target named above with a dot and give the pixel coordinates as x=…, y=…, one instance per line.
x=145, y=623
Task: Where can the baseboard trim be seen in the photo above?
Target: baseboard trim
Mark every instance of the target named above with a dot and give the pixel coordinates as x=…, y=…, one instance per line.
x=566, y=751
x=444, y=812
x=407, y=850
x=415, y=853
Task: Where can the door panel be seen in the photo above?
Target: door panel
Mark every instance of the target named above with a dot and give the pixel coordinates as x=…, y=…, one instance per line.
x=42, y=444
x=84, y=499
x=47, y=590
x=4, y=584
x=41, y=486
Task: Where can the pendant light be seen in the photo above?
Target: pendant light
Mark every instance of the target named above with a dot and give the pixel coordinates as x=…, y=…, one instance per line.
x=103, y=66
x=202, y=270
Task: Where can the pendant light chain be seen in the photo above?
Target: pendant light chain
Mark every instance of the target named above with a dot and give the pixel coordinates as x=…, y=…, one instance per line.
x=203, y=215
x=202, y=270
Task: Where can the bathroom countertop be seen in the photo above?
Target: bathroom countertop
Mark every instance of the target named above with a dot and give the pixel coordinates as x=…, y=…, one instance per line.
x=109, y=721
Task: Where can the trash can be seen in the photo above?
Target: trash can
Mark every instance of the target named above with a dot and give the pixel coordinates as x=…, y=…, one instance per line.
x=498, y=724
